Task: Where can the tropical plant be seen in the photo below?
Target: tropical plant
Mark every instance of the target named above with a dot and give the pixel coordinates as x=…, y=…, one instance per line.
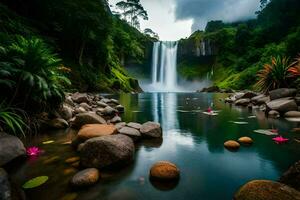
x=274, y=74
x=11, y=121
x=294, y=69
x=31, y=74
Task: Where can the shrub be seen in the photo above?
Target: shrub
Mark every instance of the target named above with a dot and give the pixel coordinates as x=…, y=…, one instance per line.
x=31, y=75
x=274, y=74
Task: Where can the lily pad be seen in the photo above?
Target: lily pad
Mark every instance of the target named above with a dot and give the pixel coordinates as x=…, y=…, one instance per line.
x=265, y=132
x=35, y=182
x=210, y=113
x=48, y=142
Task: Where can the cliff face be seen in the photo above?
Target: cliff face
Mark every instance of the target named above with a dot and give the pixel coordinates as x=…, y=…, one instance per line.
x=196, y=46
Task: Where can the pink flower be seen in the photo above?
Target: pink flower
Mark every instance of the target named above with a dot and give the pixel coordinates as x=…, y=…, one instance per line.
x=33, y=151
x=209, y=110
x=280, y=140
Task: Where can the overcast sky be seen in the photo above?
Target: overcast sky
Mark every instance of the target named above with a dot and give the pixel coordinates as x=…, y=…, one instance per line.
x=175, y=19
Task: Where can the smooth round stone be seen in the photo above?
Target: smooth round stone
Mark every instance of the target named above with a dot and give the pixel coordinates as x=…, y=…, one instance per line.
x=245, y=140
x=151, y=130
x=232, y=145
x=164, y=170
x=266, y=190
x=134, y=125
x=85, y=177
x=72, y=160
x=96, y=130
x=131, y=132
x=292, y=114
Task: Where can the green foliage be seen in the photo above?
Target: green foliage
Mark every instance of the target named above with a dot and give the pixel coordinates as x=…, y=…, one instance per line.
x=213, y=26
x=10, y=120
x=132, y=11
x=30, y=74
x=274, y=75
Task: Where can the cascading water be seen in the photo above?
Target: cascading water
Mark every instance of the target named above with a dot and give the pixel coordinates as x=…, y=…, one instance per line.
x=164, y=64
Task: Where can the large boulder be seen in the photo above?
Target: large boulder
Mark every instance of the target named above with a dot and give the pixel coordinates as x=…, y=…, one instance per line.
x=242, y=102
x=87, y=118
x=116, y=119
x=112, y=150
x=85, y=178
x=109, y=111
x=266, y=190
x=282, y=105
x=80, y=97
x=89, y=131
x=131, y=132
x=282, y=93
x=151, y=130
x=120, y=108
x=292, y=176
x=11, y=147
x=85, y=106
x=164, y=171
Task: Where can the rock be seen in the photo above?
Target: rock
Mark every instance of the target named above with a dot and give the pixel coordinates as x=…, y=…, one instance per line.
x=95, y=130
x=211, y=89
x=112, y=150
x=238, y=95
x=80, y=98
x=85, y=178
x=249, y=95
x=151, y=130
x=245, y=140
x=232, y=145
x=105, y=100
x=292, y=114
x=87, y=118
x=242, y=102
x=282, y=93
x=69, y=101
x=109, y=111
x=120, y=108
x=11, y=148
x=134, y=125
x=66, y=112
x=266, y=190
x=273, y=114
x=164, y=171
x=292, y=176
x=85, y=106
x=120, y=125
x=58, y=123
x=116, y=119
x=260, y=99
x=79, y=110
x=282, y=105
x=5, y=189
x=114, y=101
x=297, y=99
x=131, y=132
x=229, y=100
x=101, y=104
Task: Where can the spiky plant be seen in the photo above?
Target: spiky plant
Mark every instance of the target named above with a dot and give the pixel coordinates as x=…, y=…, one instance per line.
x=11, y=120
x=274, y=74
x=294, y=70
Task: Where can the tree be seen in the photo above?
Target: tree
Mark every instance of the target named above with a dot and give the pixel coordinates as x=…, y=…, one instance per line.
x=132, y=11
x=151, y=33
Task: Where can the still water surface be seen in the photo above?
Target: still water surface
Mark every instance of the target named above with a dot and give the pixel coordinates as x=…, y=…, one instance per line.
x=191, y=140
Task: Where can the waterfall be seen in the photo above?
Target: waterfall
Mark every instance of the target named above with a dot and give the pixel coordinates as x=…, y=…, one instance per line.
x=164, y=64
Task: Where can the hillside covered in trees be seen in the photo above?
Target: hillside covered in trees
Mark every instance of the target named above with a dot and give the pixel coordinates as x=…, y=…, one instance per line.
x=239, y=50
